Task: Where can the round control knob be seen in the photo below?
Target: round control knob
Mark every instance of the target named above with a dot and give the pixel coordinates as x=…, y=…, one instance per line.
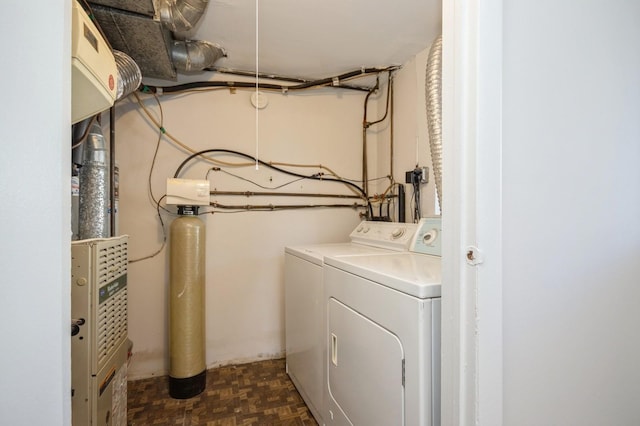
x=397, y=233
x=430, y=237
x=366, y=229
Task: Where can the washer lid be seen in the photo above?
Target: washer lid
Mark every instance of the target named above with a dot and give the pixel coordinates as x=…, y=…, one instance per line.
x=316, y=253
x=415, y=274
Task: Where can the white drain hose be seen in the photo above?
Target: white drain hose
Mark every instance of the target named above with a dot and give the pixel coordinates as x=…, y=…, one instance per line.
x=433, y=95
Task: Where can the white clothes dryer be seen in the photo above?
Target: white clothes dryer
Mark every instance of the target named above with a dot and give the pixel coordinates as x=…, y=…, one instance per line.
x=383, y=335
x=305, y=344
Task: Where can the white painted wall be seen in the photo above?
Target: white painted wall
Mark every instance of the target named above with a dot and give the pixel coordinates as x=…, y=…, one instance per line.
x=35, y=388
x=571, y=195
x=245, y=251
x=410, y=133
x=543, y=102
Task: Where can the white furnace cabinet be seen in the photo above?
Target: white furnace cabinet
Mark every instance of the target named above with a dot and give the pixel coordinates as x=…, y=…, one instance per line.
x=99, y=343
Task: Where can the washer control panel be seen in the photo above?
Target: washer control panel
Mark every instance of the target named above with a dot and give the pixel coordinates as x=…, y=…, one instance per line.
x=428, y=237
x=391, y=235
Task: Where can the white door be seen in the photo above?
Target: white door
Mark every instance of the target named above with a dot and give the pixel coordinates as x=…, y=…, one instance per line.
x=365, y=370
x=540, y=150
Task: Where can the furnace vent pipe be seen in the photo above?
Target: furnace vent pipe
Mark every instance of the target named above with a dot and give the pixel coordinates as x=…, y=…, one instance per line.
x=181, y=15
x=195, y=55
x=93, y=221
x=434, y=111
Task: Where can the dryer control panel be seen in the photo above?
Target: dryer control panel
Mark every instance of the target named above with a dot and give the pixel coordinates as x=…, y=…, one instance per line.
x=428, y=237
x=390, y=235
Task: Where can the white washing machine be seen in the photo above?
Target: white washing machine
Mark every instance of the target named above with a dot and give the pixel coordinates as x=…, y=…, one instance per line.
x=383, y=335
x=304, y=307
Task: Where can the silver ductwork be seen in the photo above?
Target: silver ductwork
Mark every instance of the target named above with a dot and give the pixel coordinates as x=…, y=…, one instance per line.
x=434, y=111
x=180, y=15
x=93, y=221
x=129, y=75
x=149, y=32
x=195, y=55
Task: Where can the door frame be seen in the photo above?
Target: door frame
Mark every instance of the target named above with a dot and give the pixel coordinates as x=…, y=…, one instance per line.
x=472, y=206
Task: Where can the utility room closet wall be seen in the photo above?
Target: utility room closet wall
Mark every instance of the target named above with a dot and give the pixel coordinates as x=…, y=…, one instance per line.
x=410, y=138
x=244, y=250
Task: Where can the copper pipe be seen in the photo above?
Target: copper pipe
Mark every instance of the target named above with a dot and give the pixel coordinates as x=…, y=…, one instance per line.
x=272, y=207
x=282, y=194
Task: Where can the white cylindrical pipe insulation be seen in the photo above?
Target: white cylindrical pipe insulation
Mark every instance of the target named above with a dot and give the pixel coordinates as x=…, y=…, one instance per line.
x=187, y=354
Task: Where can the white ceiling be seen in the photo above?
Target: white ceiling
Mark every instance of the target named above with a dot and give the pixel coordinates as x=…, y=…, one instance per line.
x=318, y=38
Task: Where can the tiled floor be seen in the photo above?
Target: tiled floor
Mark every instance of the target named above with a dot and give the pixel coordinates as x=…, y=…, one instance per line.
x=259, y=393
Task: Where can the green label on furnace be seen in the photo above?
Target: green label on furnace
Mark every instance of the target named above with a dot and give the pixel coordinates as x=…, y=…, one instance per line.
x=108, y=290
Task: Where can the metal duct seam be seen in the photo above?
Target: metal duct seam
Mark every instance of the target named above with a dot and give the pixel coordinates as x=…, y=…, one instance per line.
x=181, y=15
x=195, y=55
x=433, y=97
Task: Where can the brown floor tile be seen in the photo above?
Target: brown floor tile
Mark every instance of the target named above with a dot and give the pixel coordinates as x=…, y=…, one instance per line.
x=258, y=393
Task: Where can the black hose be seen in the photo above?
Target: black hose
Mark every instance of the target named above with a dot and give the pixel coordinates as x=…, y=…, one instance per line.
x=386, y=111
x=250, y=157
x=365, y=172
x=401, y=201
x=252, y=74
x=329, y=81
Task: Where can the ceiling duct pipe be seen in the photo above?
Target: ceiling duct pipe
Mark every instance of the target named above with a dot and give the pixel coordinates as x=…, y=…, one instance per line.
x=181, y=15
x=434, y=111
x=195, y=55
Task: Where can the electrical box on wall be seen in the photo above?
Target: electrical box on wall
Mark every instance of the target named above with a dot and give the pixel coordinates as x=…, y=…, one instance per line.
x=188, y=192
x=417, y=175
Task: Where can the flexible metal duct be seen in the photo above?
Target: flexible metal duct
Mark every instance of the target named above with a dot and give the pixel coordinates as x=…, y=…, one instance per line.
x=94, y=187
x=434, y=111
x=195, y=55
x=80, y=132
x=180, y=15
x=129, y=74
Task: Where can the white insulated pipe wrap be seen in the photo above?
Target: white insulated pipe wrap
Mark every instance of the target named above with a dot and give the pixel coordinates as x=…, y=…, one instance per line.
x=186, y=303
